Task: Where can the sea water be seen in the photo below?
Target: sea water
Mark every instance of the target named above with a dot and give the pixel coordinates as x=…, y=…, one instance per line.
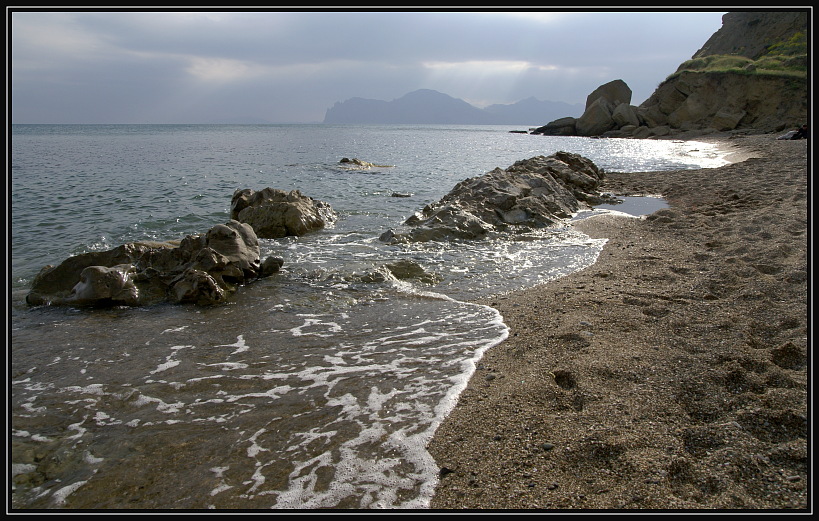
x=318, y=387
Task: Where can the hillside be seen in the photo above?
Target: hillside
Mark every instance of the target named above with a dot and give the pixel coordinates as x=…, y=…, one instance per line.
x=752, y=34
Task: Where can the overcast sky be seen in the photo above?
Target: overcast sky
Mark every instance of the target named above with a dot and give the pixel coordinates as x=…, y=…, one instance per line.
x=290, y=67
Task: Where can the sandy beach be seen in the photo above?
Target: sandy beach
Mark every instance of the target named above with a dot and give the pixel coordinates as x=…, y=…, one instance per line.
x=670, y=375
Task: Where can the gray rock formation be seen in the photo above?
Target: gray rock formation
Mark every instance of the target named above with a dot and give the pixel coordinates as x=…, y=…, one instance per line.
x=724, y=102
x=276, y=213
x=607, y=108
x=533, y=193
x=560, y=127
x=734, y=92
x=201, y=269
x=614, y=92
x=596, y=119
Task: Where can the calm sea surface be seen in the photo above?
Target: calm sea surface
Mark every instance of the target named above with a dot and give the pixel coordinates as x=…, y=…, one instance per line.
x=309, y=389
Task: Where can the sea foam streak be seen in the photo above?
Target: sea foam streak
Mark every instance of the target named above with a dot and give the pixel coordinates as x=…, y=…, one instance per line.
x=345, y=423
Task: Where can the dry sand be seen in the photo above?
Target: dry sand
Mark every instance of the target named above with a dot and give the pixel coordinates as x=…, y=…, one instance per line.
x=670, y=375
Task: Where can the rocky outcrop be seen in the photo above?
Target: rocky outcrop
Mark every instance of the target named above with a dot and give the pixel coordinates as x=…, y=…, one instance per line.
x=761, y=90
x=201, y=269
x=758, y=87
x=276, y=213
x=723, y=102
x=607, y=108
x=533, y=193
x=559, y=127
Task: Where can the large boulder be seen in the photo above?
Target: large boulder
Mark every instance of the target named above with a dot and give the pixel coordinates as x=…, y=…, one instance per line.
x=202, y=269
x=277, y=213
x=597, y=118
x=607, y=108
x=614, y=92
x=533, y=193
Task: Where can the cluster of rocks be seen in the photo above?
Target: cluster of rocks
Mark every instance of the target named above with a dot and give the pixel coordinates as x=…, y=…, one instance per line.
x=608, y=113
x=532, y=193
x=200, y=269
x=205, y=269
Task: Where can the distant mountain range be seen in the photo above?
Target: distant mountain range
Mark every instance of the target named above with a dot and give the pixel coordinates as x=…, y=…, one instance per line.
x=427, y=106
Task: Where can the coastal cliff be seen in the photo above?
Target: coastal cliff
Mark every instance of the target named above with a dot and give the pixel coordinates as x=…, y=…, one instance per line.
x=750, y=75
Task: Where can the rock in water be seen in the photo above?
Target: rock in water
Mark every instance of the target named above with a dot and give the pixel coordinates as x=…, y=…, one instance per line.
x=276, y=213
x=357, y=164
x=532, y=193
x=201, y=269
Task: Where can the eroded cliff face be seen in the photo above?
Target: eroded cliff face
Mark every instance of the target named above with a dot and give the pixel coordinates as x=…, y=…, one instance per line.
x=735, y=99
x=727, y=101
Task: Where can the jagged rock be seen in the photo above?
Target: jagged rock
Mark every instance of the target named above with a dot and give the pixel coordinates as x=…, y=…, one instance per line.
x=532, y=193
x=203, y=269
x=727, y=119
x=641, y=133
x=271, y=265
x=100, y=283
x=276, y=213
x=197, y=287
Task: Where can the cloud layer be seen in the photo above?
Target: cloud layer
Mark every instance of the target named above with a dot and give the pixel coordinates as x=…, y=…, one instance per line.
x=196, y=67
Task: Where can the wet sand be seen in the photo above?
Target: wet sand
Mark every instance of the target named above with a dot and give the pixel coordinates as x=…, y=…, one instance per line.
x=670, y=375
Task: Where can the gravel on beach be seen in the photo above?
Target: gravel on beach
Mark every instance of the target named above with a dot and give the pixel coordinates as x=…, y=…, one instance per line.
x=672, y=374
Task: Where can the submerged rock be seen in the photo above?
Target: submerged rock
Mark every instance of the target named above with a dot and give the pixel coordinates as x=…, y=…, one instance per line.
x=533, y=193
x=357, y=164
x=411, y=270
x=276, y=213
x=201, y=269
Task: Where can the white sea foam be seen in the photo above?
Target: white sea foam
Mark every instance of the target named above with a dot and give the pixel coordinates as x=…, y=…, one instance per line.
x=61, y=494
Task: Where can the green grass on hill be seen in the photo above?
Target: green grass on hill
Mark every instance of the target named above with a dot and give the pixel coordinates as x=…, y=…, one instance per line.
x=788, y=58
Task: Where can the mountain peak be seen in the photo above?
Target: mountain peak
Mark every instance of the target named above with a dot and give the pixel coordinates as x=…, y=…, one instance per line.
x=427, y=106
